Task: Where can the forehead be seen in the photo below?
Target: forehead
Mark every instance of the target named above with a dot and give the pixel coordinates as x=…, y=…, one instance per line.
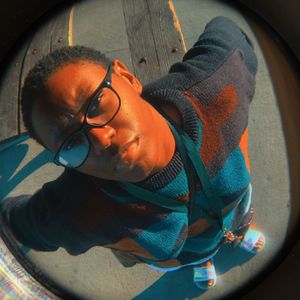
x=72, y=78
x=71, y=85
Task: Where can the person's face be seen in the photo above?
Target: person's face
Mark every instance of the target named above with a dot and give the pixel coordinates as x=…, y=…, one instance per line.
x=126, y=148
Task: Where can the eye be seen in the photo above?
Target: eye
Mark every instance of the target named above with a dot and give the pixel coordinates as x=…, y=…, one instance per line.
x=70, y=144
x=94, y=108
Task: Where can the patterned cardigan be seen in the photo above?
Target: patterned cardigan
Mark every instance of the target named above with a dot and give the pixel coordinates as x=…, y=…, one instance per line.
x=212, y=88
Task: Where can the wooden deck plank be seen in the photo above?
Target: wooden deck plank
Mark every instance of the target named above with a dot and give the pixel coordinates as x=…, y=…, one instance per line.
x=112, y=39
x=9, y=95
x=50, y=36
x=168, y=38
x=141, y=41
x=60, y=33
x=39, y=46
x=152, y=25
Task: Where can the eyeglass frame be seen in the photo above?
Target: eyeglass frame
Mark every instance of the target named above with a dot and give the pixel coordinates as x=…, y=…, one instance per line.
x=105, y=83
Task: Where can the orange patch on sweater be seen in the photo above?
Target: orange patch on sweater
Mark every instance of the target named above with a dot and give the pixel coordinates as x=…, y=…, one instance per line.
x=213, y=116
x=168, y=263
x=244, y=148
x=129, y=245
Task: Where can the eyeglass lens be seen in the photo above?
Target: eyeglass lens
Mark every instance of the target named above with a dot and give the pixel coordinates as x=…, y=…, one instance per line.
x=101, y=110
x=74, y=150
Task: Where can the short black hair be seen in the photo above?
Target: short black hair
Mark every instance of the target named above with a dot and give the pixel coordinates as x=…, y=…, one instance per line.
x=39, y=74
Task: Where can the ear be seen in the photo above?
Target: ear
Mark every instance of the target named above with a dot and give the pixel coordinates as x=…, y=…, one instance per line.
x=121, y=70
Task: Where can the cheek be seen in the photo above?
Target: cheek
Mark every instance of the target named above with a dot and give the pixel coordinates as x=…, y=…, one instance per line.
x=128, y=114
x=139, y=123
x=94, y=165
x=129, y=122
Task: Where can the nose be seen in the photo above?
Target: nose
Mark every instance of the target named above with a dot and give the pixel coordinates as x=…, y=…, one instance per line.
x=101, y=138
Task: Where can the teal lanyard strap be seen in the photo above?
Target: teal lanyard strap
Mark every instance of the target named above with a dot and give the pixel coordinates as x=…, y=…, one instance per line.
x=188, y=167
x=215, y=203
x=153, y=198
x=184, y=141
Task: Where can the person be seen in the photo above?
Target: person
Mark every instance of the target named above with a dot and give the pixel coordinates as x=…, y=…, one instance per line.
x=158, y=173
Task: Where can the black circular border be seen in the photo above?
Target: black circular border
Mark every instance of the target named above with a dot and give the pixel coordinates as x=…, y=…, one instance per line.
x=18, y=17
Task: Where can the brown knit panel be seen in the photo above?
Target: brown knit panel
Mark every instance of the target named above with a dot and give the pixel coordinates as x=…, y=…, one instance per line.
x=213, y=116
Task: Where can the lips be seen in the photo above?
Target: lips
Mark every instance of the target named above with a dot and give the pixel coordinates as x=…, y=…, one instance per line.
x=126, y=156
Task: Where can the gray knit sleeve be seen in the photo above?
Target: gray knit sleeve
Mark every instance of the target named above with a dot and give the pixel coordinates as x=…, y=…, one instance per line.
x=218, y=41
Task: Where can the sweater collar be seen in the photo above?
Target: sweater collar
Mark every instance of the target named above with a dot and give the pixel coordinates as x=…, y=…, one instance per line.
x=190, y=125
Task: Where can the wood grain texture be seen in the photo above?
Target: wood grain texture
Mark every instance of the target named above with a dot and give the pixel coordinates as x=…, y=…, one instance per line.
x=51, y=35
x=60, y=31
x=166, y=33
x=155, y=40
x=9, y=95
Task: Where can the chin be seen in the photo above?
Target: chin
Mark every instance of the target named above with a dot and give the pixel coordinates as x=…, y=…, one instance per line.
x=134, y=176
x=141, y=175
x=138, y=173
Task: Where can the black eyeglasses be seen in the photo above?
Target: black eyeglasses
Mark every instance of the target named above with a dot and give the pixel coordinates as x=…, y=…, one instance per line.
x=102, y=108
